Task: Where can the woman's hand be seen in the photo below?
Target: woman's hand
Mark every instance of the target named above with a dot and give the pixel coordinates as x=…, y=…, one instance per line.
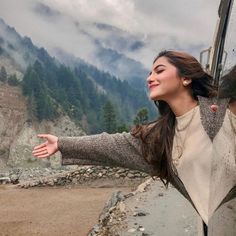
x=232, y=107
x=48, y=148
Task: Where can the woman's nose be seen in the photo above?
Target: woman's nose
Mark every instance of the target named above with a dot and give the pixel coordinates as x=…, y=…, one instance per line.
x=149, y=78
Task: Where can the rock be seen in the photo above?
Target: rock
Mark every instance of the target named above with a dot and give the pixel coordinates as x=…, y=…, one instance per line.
x=141, y=228
x=121, y=171
x=14, y=179
x=141, y=188
x=130, y=175
x=129, y=195
x=31, y=184
x=96, y=229
x=140, y=213
x=5, y=180
x=89, y=170
x=123, y=175
x=132, y=230
x=100, y=174
x=137, y=175
x=51, y=182
x=122, y=207
x=117, y=175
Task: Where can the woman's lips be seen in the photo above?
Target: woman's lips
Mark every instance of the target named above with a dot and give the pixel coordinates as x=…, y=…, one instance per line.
x=152, y=86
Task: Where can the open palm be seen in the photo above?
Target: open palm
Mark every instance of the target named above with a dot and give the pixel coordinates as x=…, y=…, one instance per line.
x=47, y=148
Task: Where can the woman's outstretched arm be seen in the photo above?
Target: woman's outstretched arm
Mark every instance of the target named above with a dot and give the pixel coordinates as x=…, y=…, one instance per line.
x=120, y=149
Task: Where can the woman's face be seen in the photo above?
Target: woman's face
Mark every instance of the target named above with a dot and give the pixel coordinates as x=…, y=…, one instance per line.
x=164, y=83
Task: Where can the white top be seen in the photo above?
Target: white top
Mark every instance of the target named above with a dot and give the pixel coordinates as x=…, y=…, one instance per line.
x=207, y=169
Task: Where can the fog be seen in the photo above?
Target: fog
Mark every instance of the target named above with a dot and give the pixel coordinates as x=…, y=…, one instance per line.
x=152, y=25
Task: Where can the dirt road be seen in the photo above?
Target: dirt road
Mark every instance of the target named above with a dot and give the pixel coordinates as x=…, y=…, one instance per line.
x=51, y=211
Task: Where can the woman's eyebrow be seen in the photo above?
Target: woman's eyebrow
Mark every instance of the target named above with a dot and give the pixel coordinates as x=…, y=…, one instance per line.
x=158, y=66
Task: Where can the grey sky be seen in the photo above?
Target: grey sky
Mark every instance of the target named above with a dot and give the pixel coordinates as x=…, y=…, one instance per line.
x=184, y=24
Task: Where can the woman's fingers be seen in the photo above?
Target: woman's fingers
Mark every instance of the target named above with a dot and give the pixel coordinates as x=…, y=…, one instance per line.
x=40, y=152
x=43, y=135
x=40, y=146
x=43, y=144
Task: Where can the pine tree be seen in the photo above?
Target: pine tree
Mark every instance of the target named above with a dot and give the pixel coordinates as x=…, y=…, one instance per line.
x=3, y=74
x=32, y=105
x=40, y=102
x=141, y=117
x=12, y=80
x=122, y=128
x=109, y=118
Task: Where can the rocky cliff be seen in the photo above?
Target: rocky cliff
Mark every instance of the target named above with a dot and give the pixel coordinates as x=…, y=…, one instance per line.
x=18, y=133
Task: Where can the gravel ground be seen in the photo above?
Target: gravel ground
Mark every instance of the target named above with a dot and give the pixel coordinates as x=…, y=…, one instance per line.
x=51, y=211
x=160, y=211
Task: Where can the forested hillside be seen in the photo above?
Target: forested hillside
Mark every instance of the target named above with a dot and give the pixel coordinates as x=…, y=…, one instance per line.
x=94, y=99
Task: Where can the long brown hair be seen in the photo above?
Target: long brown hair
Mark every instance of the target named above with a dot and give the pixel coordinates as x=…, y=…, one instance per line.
x=157, y=136
x=227, y=88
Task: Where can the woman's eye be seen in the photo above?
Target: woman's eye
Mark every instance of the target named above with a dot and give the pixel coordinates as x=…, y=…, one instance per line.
x=159, y=71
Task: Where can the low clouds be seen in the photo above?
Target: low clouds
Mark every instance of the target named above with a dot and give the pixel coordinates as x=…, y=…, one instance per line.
x=153, y=25
x=46, y=11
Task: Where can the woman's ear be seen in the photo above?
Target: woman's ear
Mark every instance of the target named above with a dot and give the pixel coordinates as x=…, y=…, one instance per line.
x=186, y=81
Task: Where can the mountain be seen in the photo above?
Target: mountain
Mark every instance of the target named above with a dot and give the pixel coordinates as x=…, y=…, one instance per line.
x=112, y=52
x=39, y=94
x=109, y=48
x=18, y=131
x=78, y=90
x=16, y=52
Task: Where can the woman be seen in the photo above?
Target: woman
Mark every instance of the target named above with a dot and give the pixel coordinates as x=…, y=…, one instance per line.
x=178, y=147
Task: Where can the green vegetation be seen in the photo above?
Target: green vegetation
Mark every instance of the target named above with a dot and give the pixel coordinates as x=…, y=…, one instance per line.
x=95, y=99
x=109, y=118
x=52, y=90
x=39, y=100
x=3, y=74
x=10, y=79
x=141, y=117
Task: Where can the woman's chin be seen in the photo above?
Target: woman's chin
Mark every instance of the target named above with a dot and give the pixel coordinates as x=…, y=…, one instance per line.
x=154, y=97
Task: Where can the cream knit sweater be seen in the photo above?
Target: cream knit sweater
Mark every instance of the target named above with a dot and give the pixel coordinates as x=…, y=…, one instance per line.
x=206, y=168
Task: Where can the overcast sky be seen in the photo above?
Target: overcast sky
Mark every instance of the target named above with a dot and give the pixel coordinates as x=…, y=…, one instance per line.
x=162, y=24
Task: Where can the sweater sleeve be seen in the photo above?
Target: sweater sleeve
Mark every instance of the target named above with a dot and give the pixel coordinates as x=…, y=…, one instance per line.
x=120, y=149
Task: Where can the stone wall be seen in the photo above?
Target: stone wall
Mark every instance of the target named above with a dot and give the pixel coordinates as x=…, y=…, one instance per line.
x=98, y=176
